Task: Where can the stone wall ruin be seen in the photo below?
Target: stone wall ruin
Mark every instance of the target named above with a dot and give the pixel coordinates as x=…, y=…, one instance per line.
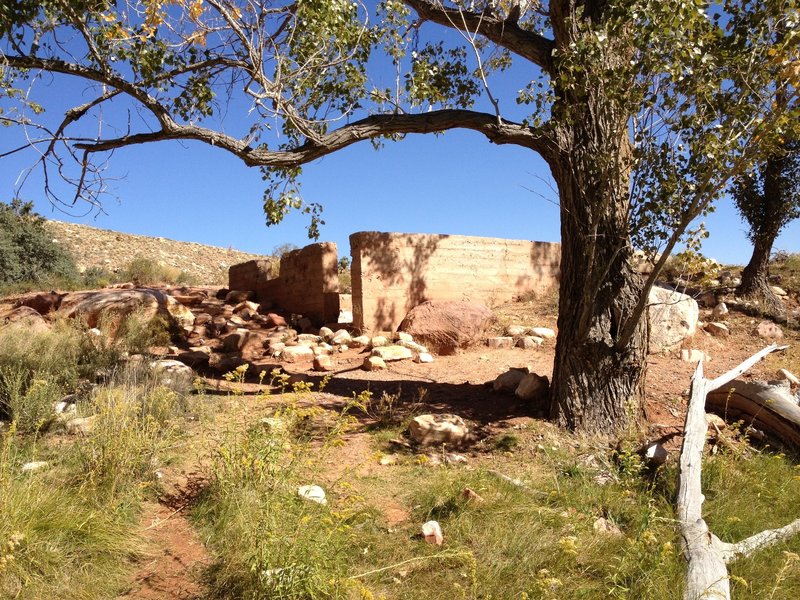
x=307, y=282
x=394, y=272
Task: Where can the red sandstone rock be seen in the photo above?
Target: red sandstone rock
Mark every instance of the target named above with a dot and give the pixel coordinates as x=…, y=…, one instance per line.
x=274, y=320
x=446, y=326
x=42, y=303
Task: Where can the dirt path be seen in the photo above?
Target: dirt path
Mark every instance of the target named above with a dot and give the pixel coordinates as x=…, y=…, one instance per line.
x=175, y=556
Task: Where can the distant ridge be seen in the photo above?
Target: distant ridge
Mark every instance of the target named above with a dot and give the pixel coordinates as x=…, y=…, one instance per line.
x=112, y=251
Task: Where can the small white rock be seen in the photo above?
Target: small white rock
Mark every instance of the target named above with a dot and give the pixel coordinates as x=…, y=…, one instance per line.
x=543, y=332
x=36, y=465
x=423, y=357
x=313, y=493
x=432, y=532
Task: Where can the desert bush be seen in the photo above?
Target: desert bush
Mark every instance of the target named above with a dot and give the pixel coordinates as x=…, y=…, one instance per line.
x=61, y=356
x=135, y=419
x=138, y=332
x=27, y=401
x=691, y=266
x=27, y=252
x=144, y=271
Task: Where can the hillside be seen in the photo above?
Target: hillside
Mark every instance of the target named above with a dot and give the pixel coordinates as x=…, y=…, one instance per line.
x=112, y=251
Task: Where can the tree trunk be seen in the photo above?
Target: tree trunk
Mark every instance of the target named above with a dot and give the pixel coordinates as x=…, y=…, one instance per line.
x=599, y=371
x=598, y=377
x=755, y=276
x=598, y=383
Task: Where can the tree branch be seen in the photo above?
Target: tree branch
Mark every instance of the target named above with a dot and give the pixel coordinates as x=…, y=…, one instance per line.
x=503, y=32
x=368, y=128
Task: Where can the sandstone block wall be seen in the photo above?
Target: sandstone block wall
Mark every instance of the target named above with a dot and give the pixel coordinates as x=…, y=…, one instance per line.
x=393, y=272
x=308, y=282
x=248, y=275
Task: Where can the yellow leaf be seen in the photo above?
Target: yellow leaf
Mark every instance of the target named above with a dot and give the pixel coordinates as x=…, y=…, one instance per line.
x=108, y=18
x=196, y=9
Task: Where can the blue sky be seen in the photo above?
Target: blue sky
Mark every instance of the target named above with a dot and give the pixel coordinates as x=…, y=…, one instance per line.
x=456, y=183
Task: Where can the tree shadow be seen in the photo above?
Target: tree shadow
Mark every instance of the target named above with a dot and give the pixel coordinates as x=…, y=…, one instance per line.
x=399, y=261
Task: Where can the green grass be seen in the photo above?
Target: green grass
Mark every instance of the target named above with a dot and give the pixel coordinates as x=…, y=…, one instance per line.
x=70, y=529
x=533, y=542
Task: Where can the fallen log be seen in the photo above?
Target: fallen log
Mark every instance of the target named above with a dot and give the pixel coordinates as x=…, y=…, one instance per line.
x=707, y=556
x=771, y=408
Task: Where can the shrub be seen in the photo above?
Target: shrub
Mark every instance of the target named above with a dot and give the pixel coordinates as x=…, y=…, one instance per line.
x=27, y=252
x=28, y=401
x=144, y=271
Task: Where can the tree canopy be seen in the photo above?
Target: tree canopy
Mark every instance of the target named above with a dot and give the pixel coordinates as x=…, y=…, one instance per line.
x=644, y=110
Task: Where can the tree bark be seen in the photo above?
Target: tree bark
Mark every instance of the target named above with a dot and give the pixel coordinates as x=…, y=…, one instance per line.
x=755, y=276
x=598, y=375
x=598, y=383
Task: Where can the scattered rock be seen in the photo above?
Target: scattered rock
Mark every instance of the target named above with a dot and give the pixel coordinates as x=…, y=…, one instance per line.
x=392, y=353
x=447, y=326
x=516, y=330
x=542, y=332
x=532, y=387
x=778, y=291
x=509, y=381
x=673, y=318
x=24, y=317
x=293, y=354
x=529, y=342
x=374, y=363
x=500, y=342
x=341, y=337
x=379, y=341
x=472, y=496
x=438, y=429
x=717, y=329
x=769, y=331
x=656, y=454
x=326, y=333
x=432, y=532
x=605, y=527
x=173, y=374
x=693, y=355
x=402, y=336
x=313, y=493
x=423, y=357
x=224, y=363
x=36, y=465
x=720, y=312
x=237, y=296
x=324, y=363
x=715, y=422
x=707, y=299
x=359, y=342
x=274, y=320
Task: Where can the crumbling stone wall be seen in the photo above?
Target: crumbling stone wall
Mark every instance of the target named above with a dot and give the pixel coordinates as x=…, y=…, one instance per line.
x=393, y=272
x=307, y=284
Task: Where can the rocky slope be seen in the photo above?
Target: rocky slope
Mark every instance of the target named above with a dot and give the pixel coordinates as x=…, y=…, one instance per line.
x=112, y=251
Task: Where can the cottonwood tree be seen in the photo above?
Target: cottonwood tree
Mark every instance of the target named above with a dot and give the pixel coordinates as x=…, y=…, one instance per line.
x=632, y=104
x=768, y=198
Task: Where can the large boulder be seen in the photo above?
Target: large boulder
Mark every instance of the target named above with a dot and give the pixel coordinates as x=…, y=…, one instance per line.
x=673, y=318
x=445, y=327
x=24, y=318
x=114, y=305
